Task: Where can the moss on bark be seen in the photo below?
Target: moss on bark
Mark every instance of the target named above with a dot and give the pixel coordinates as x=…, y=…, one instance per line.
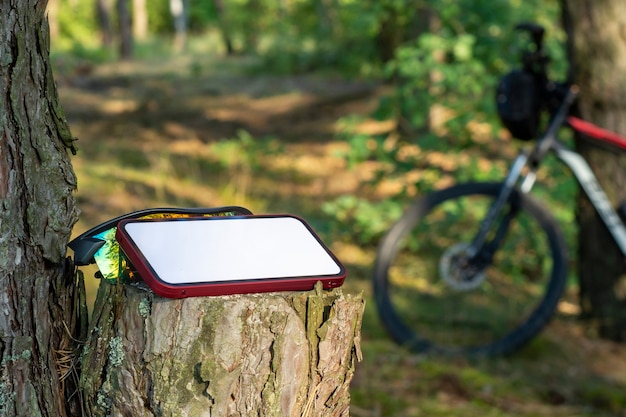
x=273, y=354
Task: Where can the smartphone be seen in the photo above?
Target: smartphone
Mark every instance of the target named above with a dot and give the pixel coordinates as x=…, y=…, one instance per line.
x=207, y=256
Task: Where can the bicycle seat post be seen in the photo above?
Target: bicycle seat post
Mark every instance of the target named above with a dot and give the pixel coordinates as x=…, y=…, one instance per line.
x=549, y=138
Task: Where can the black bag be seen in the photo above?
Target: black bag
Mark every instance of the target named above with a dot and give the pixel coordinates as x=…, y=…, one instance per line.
x=518, y=100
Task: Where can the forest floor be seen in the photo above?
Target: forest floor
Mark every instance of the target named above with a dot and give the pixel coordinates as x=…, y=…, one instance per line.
x=191, y=132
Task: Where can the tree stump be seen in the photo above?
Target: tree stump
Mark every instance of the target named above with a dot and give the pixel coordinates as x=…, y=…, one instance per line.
x=272, y=354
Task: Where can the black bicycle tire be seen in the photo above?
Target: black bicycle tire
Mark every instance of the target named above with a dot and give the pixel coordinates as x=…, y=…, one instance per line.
x=519, y=335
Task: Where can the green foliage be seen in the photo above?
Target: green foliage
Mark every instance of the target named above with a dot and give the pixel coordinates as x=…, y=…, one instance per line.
x=79, y=31
x=242, y=158
x=312, y=36
x=202, y=15
x=450, y=70
x=367, y=221
x=76, y=22
x=244, y=151
x=458, y=65
x=159, y=17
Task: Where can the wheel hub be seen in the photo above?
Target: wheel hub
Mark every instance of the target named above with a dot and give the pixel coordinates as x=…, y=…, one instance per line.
x=457, y=271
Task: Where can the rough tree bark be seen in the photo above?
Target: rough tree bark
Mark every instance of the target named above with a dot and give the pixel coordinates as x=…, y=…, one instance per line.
x=278, y=354
x=597, y=49
x=39, y=300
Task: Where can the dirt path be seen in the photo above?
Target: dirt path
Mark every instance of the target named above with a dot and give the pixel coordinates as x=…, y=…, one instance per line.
x=295, y=109
x=163, y=121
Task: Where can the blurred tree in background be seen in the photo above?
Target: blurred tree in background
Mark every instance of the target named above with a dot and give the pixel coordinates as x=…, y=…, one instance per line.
x=597, y=48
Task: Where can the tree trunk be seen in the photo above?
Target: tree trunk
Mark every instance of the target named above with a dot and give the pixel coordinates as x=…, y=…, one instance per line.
x=103, y=13
x=125, y=30
x=140, y=20
x=39, y=298
x=597, y=49
x=224, y=26
x=252, y=28
x=180, y=13
x=277, y=354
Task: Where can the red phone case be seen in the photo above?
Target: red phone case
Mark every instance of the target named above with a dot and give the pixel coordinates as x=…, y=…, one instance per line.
x=222, y=287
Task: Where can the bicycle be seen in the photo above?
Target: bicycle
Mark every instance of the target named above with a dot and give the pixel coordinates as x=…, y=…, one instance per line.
x=478, y=269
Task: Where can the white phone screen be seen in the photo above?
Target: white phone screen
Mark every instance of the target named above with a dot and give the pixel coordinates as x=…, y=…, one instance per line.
x=186, y=251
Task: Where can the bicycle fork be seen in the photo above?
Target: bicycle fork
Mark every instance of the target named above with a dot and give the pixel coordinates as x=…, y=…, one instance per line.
x=481, y=251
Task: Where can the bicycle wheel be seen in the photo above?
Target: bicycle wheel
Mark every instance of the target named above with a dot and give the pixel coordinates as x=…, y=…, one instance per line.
x=424, y=304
